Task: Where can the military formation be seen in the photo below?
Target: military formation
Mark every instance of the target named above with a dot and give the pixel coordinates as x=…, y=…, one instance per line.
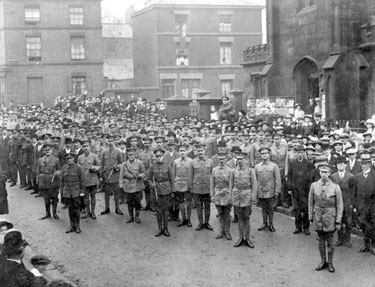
x=323, y=172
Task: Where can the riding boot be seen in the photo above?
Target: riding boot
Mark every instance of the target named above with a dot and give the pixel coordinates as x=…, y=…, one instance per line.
x=227, y=223
x=159, y=218
x=200, y=214
x=222, y=227
x=48, y=211
x=54, y=210
x=165, y=223
x=330, y=265
x=137, y=211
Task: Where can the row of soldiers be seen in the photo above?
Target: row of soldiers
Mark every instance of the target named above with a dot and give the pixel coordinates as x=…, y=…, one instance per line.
x=150, y=163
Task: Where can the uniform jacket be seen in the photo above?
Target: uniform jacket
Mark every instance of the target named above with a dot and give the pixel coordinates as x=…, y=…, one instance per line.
x=46, y=168
x=13, y=149
x=325, y=205
x=108, y=160
x=146, y=158
x=200, y=172
x=162, y=175
x=181, y=171
x=219, y=185
x=72, y=181
x=128, y=171
x=268, y=179
x=27, y=154
x=244, y=186
x=92, y=160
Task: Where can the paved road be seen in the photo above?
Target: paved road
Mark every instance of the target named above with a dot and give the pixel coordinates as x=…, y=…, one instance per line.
x=110, y=252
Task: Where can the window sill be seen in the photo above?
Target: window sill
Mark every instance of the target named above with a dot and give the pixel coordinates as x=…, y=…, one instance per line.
x=307, y=10
x=32, y=22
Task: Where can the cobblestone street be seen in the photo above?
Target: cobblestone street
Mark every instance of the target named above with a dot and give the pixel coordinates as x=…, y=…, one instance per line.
x=110, y=252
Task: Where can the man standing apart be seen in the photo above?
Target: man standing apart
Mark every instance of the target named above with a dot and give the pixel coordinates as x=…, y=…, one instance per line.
x=221, y=195
x=325, y=211
x=91, y=165
x=47, y=177
x=131, y=180
x=244, y=192
x=161, y=179
x=181, y=169
x=200, y=172
x=269, y=185
x=72, y=187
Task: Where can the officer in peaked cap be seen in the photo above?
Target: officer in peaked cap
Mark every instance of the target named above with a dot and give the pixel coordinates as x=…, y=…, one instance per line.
x=162, y=182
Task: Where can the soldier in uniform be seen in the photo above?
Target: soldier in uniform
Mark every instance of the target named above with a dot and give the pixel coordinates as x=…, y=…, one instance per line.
x=200, y=171
x=161, y=179
x=244, y=192
x=110, y=161
x=90, y=164
x=72, y=187
x=131, y=181
x=325, y=207
x=269, y=184
x=13, y=157
x=146, y=157
x=181, y=169
x=47, y=177
x=221, y=195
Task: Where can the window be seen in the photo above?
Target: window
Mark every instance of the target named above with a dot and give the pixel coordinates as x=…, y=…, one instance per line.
x=306, y=3
x=182, y=57
x=32, y=15
x=33, y=49
x=181, y=24
x=2, y=84
x=77, y=48
x=189, y=87
x=76, y=15
x=225, y=53
x=225, y=23
x=168, y=88
x=226, y=86
x=79, y=85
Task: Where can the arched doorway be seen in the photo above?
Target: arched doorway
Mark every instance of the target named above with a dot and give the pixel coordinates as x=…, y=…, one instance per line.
x=306, y=77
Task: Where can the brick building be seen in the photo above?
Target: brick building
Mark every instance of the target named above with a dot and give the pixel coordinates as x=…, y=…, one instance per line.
x=50, y=48
x=317, y=49
x=117, y=57
x=184, y=47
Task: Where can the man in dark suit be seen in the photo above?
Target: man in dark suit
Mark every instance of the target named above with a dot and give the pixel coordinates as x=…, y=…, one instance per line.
x=354, y=165
x=299, y=182
x=12, y=271
x=346, y=182
x=364, y=202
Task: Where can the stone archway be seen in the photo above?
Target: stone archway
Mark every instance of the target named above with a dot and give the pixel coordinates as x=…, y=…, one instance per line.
x=306, y=79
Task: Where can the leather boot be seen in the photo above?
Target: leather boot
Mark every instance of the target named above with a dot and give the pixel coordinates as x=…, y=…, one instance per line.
x=322, y=250
x=77, y=220
x=131, y=214
x=222, y=228
x=270, y=227
x=247, y=235
x=227, y=228
x=165, y=224
x=48, y=212
x=160, y=226
x=137, y=211
x=54, y=210
x=330, y=265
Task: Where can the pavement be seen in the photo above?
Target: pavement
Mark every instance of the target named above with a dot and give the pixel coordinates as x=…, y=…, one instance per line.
x=110, y=252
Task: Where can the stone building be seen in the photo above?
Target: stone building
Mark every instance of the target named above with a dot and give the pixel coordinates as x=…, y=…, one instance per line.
x=50, y=48
x=187, y=48
x=317, y=49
